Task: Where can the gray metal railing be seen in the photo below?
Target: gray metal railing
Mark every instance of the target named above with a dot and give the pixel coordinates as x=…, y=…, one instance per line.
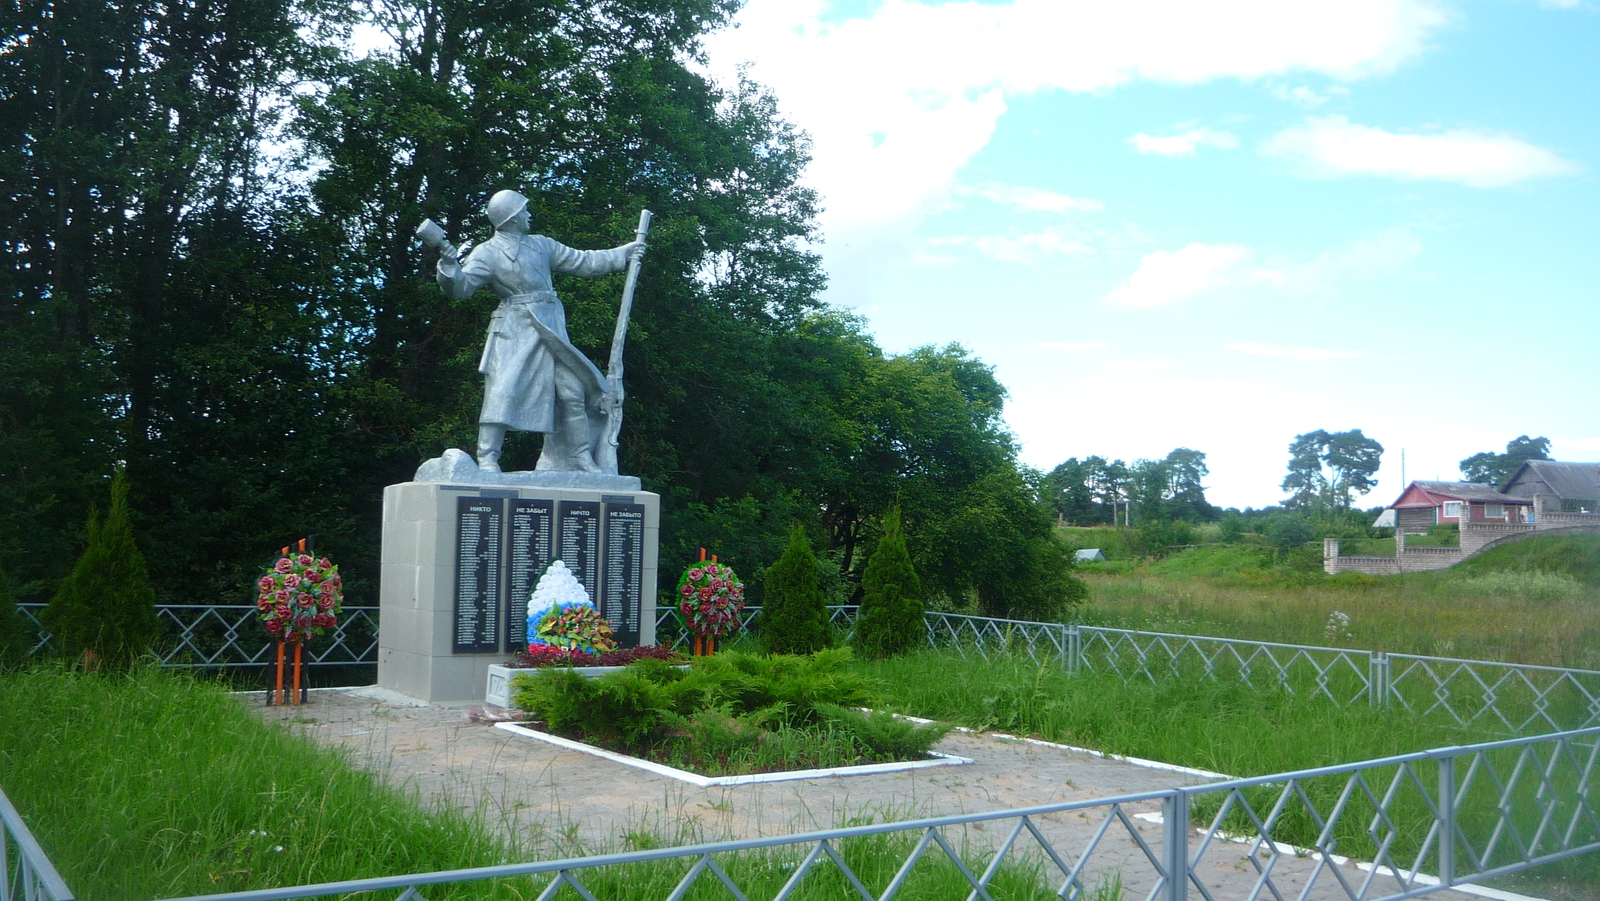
x=671, y=632
x=26, y=874
x=1365, y=831
x=1515, y=697
x=231, y=635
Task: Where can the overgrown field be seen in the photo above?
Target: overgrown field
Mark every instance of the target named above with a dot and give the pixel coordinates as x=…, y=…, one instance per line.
x=1534, y=601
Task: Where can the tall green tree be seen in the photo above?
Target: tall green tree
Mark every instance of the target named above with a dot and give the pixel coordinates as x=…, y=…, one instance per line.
x=890, y=619
x=1328, y=469
x=1494, y=470
x=150, y=317
x=106, y=607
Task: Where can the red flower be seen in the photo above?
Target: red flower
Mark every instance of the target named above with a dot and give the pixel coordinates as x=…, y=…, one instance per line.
x=284, y=565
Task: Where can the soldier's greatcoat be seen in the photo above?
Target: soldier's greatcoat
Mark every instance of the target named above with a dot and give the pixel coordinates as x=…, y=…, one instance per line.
x=526, y=377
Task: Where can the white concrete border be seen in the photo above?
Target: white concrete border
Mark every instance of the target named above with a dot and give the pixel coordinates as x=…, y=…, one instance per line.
x=938, y=759
x=1466, y=888
x=1136, y=761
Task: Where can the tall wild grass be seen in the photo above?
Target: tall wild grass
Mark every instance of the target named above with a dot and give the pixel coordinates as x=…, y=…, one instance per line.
x=1536, y=601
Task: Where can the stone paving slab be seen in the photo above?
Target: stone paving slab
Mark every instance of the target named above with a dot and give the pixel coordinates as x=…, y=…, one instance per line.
x=559, y=802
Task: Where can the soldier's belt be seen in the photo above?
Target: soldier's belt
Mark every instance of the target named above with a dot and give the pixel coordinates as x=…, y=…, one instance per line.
x=531, y=297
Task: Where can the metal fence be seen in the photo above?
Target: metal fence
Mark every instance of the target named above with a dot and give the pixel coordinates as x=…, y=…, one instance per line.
x=1514, y=697
x=227, y=636
x=26, y=874
x=1397, y=827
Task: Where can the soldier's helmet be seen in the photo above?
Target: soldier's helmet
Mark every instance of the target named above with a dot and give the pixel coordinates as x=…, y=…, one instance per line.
x=504, y=205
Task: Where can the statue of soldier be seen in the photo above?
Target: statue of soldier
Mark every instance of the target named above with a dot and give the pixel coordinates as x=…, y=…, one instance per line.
x=534, y=379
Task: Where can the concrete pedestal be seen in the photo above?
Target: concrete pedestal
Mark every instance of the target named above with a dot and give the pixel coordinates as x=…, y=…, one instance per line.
x=421, y=628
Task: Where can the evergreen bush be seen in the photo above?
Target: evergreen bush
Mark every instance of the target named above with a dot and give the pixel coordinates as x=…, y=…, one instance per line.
x=794, y=613
x=890, y=621
x=106, y=605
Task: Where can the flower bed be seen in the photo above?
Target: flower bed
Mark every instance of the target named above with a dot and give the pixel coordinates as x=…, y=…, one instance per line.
x=498, y=690
x=732, y=715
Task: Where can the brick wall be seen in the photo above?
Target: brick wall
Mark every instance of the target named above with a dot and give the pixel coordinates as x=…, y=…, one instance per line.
x=1475, y=537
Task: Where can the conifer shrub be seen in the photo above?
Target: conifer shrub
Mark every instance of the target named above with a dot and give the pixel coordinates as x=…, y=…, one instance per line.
x=890, y=620
x=106, y=605
x=794, y=612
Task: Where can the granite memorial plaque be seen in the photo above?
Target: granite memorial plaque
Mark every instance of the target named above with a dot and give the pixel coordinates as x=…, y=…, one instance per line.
x=622, y=570
x=530, y=548
x=479, y=521
x=578, y=523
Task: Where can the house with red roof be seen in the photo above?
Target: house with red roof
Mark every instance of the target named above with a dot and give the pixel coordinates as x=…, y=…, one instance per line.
x=1426, y=504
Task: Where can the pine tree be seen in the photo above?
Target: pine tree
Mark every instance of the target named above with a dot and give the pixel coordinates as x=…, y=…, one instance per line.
x=794, y=614
x=106, y=606
x=890, y=621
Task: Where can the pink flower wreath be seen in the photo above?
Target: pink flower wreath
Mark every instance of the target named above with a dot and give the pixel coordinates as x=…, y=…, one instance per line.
x=710, y=598
x=299, y=596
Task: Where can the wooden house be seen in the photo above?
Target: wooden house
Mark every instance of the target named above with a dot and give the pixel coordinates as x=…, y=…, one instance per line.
x=1559, y=487
x=1426, y=504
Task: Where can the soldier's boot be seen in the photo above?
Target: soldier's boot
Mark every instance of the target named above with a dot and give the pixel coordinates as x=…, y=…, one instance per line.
x=579, y=451
x=491, y=437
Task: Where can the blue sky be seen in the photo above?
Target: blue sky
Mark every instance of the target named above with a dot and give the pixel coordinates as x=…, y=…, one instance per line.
x=1217, y=225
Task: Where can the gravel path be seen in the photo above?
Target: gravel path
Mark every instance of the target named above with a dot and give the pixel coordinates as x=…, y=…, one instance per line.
x=561, y=801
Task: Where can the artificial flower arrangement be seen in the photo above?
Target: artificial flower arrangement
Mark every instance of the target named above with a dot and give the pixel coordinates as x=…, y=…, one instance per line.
x=299, y=596
x=710, y=599
x=561, y=617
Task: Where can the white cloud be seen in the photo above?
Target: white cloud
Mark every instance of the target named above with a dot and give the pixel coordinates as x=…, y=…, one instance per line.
x=1033, y=199
x=1073, y=347
x=1165, y=277
x=899, y=100
x=1311, y=354
x=1332, y=146
x=1305, y=97
x=1183, y=144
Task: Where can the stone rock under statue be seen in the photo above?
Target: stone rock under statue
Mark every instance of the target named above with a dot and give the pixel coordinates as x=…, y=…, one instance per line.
x=535, y=380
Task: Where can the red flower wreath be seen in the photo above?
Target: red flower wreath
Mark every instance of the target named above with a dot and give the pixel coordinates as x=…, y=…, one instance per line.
x=299, y=596
x=710, y=598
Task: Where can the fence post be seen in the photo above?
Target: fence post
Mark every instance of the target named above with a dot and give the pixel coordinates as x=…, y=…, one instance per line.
x=1074, y=649
x=1447, y=818
x=1377, y=679
x=1175, y=835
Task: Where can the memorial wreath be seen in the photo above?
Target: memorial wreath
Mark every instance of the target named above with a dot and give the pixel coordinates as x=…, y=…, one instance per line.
x=710, y=598
x=299, y=596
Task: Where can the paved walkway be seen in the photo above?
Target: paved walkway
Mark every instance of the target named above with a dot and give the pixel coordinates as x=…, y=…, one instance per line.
x=560, y=801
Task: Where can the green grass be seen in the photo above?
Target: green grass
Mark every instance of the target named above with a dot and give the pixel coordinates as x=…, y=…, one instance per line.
x=1534, y=601
x=152, y=785
x=1222, y=726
